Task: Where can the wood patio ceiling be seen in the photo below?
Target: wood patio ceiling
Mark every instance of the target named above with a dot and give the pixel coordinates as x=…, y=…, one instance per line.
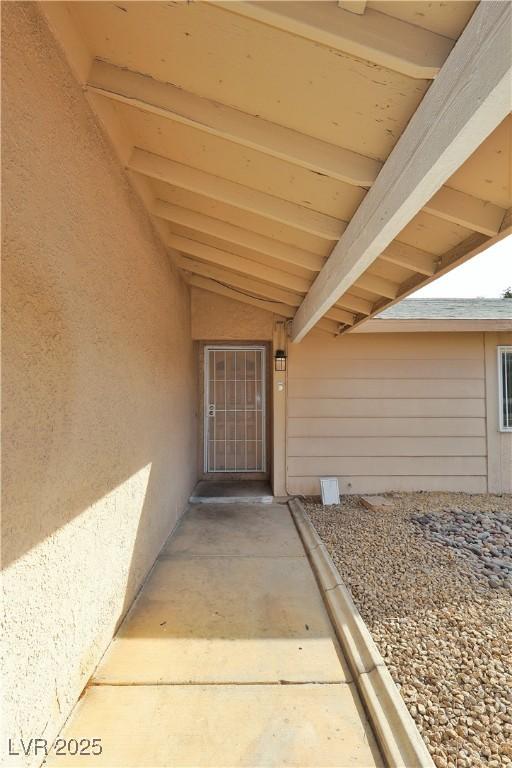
x=253, y=131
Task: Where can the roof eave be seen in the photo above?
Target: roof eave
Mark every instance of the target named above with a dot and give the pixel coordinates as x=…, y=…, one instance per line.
x=395, y=325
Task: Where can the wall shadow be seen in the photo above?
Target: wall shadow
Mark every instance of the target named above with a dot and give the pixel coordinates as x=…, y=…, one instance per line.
x=98, y=384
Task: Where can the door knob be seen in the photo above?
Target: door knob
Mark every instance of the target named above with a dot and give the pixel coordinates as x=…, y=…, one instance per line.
x=211, y=409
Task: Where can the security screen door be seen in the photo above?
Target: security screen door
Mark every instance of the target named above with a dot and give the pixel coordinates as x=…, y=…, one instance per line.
x=234, y=409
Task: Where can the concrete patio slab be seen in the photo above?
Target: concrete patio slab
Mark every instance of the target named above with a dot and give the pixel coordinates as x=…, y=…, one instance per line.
x=257, y=726
x=235, y=530
x=223, y=620
x=227, y=658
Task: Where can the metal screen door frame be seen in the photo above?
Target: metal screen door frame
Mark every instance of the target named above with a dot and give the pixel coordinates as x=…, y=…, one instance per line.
x=261, y=349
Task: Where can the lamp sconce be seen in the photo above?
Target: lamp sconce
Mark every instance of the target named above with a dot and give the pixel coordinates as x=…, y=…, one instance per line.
x=280, y=360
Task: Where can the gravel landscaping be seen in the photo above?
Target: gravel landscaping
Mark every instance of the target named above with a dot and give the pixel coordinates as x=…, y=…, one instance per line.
x=432, y=578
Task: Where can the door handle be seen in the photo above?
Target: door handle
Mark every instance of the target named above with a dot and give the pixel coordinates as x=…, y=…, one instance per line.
x=211, y=409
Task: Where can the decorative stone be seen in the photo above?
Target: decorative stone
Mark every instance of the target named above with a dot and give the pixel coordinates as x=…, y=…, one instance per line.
x=376, y=503
x=432, y=578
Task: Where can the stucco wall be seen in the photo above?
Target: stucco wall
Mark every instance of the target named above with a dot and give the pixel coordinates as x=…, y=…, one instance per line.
x=388, y=412
x=220, y=318
x=98, y=386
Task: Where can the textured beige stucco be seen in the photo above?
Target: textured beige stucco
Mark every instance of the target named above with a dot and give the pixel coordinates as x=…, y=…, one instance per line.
x=220, y=318
x=98, y=386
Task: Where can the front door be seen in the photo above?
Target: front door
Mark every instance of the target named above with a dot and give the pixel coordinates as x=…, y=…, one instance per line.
x=234, y=409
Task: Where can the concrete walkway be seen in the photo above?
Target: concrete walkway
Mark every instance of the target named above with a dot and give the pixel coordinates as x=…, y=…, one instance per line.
x=227, y=658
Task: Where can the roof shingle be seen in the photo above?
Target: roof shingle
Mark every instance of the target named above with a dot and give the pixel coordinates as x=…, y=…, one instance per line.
x=449, y=309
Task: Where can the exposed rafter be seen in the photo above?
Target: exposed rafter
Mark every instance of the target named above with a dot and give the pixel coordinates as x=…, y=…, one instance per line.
x=355, y=304
x=330, y=323
x=377, y=285
x=282, y=300
x=354, y=6
x=245, y=283
x=264, y=245
x=506, y=224
x=374, y=35
x=217, y=188
x=378, y=38
x=471, y=96
x=468, y=211
x=173, y=103
x=466, y=250
x=397, y=253
x=207, y=284
x=230, y=233
x=340, y=316
x=239, y=264
x=407, y=256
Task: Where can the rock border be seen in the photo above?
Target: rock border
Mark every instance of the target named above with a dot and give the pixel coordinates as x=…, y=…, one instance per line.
x=396, y=732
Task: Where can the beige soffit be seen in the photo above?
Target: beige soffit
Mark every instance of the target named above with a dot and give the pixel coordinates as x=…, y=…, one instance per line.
x=251, y=193
x=470, y=97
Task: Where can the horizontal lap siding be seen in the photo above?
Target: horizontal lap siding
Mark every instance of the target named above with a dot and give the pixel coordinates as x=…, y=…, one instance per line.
x=395, y=407
x=387, y=388
x=386, y=465
x=386, y=427
x=308, y=486
x=389, y=369
x=385, y=446
x=393, y=412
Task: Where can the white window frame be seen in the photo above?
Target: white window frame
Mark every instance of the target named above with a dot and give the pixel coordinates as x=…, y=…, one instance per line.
x=501, y=350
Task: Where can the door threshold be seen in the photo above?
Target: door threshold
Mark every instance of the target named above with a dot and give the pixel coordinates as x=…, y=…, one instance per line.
x=231, y=499
x=232, y=492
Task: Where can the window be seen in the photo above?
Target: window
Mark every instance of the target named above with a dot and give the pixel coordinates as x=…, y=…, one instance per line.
x=505, y=387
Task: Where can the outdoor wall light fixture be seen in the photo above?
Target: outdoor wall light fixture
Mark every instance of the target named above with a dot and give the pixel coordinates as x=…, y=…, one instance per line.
x=280, y=360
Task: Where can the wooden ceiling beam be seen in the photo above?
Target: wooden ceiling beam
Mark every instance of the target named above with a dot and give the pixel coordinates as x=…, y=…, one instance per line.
x=377, y=285
x=341, y=316
x=407, y=256
x=172, y=103
x=326, y=324
x=232, y=261
x=250, y=285
x=353, y=6
x=466, y=210
x=470, y=247
x=60, y=22
x=469, y=98
x=506, y=224
x=206, y=284
x=237, y=195
x=273, y=248
x=232, y=234
x=455, y=257
x=331, y=326
x=265, y=246
x=237, y=263
x=354, y=304
x=375, y=37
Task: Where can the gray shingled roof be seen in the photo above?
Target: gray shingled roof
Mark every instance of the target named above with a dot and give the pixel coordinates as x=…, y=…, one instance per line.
x=449, y=309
